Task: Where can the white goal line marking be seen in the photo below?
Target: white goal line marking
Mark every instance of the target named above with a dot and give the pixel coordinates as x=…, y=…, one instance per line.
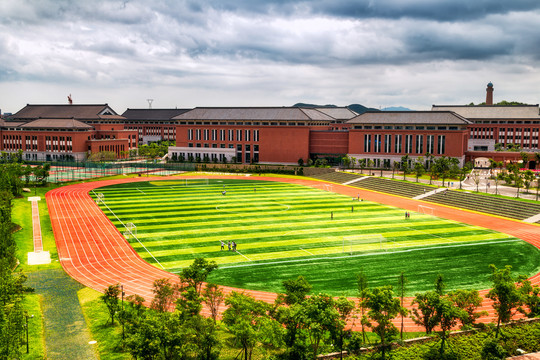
x=243, y=255
x=141, y=191
x=307, y=251
x=368, y=254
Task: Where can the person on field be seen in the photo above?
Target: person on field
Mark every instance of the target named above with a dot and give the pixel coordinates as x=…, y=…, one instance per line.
x=234, y=246
x=229, y=245
x=222, y=245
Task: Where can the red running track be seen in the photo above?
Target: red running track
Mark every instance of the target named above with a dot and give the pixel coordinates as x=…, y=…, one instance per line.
x=93, y=252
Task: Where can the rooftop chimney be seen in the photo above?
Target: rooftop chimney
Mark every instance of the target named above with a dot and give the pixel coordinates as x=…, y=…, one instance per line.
x=489, y=94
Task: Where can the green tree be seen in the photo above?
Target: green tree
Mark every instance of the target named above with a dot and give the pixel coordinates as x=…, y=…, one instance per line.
x=213, y=296
x=419, y=168
x=504, y=293
x=405, y=167
x=165, y=294
x=110, y=298
x=362, y=285
x=197, y=273
x=402, y=283
x=245, y=319
x=528, y=178
x=469, y=301
x=383, y=308
x=319, y=316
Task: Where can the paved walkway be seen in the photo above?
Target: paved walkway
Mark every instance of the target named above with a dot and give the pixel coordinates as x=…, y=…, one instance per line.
x=38, y=256
x=36, y=226
x=66, y=333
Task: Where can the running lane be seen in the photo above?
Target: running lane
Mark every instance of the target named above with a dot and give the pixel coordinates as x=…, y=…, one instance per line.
x=93, y=252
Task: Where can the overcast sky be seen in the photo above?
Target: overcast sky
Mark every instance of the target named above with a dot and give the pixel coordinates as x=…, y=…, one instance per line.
x=378, y=53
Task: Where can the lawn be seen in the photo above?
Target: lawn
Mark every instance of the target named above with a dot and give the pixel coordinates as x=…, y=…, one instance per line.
x=283, y=230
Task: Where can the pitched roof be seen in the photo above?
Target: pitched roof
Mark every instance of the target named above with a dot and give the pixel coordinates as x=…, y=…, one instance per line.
x=410, y=117
x=254, y=113
x=30, y=112
x=55, y=124
x=492, y=111
x=152, y=114
x=338, y=113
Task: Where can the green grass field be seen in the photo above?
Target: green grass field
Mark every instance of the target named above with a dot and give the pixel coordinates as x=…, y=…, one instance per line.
x=285, y=230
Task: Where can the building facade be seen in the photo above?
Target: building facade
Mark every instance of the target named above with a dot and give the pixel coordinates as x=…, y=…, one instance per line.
x=152, y=125
x=66, y=132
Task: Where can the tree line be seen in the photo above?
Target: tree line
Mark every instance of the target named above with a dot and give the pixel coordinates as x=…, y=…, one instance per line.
x=12, y=288
x=301, y=326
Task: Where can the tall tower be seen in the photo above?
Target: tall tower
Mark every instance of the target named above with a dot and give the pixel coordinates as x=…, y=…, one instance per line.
x=489, y=94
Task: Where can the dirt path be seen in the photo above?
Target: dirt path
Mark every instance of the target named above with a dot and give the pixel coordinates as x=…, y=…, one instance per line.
x=66, y=333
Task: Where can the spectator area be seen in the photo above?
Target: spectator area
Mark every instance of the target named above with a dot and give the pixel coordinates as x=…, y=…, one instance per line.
x=507, y=207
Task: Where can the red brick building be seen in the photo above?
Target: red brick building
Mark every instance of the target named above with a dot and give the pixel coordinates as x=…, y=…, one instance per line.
x=55, y=132
x=281, y=135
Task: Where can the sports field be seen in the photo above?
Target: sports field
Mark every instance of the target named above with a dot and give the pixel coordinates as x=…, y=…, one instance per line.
x=284, y=230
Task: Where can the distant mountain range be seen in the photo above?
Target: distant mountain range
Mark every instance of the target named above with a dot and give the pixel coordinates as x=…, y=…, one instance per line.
x=357, y=108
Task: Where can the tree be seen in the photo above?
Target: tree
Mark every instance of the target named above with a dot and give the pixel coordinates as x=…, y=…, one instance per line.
x=419, y=168
x=165, y=294
x=448, y=315
x=402, y=282
x=383, y=308
x=319, y=316
x=425, y=313
x=469, y=301
x=504, y=293
x=531, y=298
x=344, y=308
x=405, y=165
x=197, y=273
x=110, y=298
x=289, y=313
x=528, y=178
x=213, y=296
x=442, y=167
x=244, y=319
x=296, y=290
x=475, y=174
x=362, y=283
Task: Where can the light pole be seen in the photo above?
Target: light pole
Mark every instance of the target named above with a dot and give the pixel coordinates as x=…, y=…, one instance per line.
x=123, y=314
x=26, y=316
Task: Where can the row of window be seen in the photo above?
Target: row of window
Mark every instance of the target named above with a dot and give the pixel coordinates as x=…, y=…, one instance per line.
x=223, y=134
x=404, y=144
x=406, y=127
x=253, y=123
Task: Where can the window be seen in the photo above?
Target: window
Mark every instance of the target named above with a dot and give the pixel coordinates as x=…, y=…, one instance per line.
x=255, y=135
x=238, y=135
x=231, y=135
x=419, y=144
x=408, y=144
x=248, y=135
x=214, y=134
x=387, y=143
x=377, y=139
x=441, y=144
x=222, y=135
x=430, y=144
x=398, y=143
x=367, y=143
x=205, y=134
x=197, y=134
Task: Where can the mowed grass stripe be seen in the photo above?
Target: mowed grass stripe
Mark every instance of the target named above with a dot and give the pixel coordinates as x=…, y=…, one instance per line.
x=275, y=222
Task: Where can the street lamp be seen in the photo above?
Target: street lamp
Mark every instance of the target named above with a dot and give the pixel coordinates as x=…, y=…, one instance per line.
x=26, y=316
